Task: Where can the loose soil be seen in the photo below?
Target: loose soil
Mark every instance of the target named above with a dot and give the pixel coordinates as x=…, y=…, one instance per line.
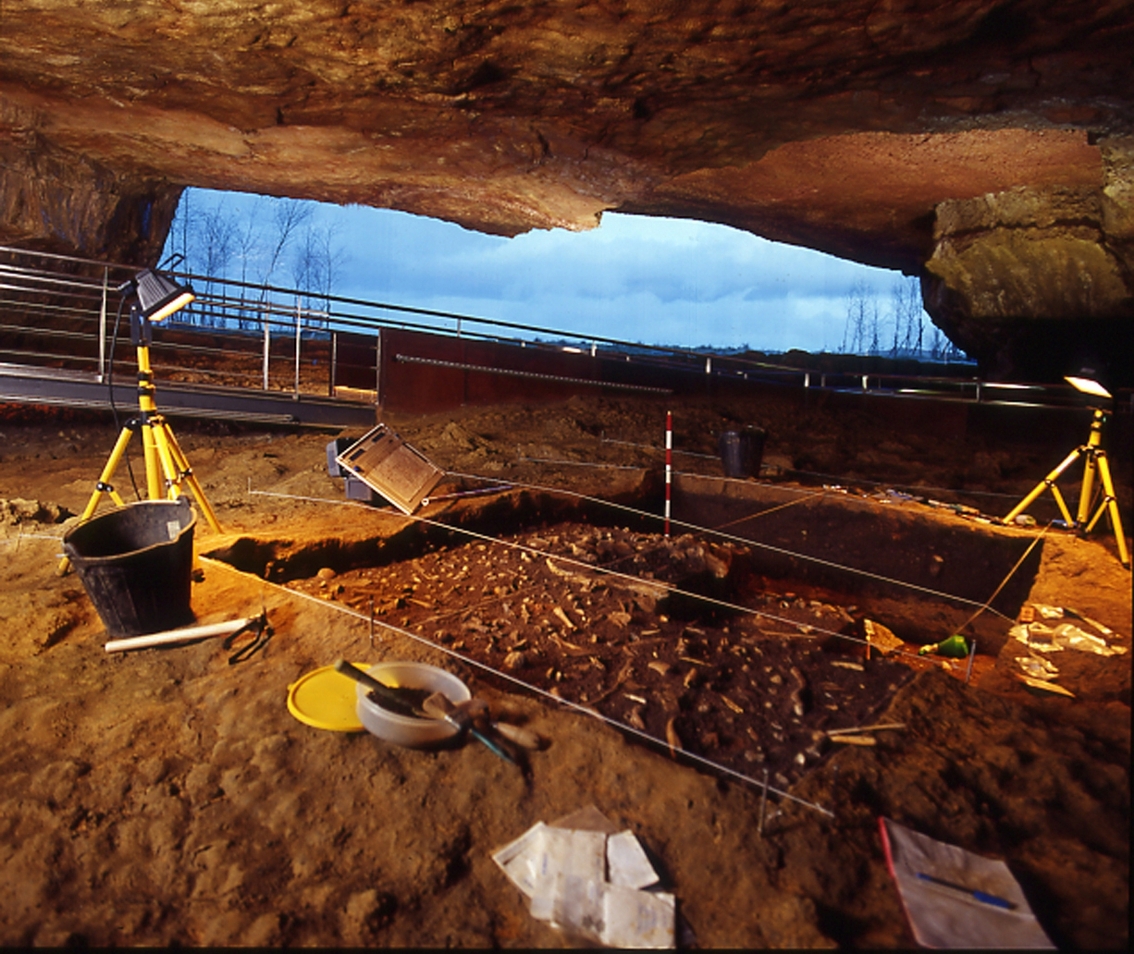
x=166, y=796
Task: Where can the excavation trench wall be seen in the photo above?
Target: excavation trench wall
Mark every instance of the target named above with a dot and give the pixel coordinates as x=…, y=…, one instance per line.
x=282, y=559
x=917, y=573
x=905, y=559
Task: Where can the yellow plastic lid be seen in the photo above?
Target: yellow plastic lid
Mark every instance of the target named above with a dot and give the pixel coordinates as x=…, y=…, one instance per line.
x=325, y=699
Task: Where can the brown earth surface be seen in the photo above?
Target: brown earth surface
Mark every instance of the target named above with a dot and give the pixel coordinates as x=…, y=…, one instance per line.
x=166, y=796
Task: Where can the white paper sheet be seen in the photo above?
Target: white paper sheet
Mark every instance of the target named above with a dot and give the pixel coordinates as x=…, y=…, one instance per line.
x=563, y=872
x=627, y=863
x=638, y=919
x=954, y=917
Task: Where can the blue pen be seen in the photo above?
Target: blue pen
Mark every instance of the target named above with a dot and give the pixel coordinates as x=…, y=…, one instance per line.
x=982, y=896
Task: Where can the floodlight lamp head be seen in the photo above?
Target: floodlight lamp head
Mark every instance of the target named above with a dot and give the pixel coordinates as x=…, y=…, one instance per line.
x=160, y=296
x=1087, y=386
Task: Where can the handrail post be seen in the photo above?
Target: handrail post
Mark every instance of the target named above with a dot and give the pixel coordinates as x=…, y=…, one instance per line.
x=102, y=325
x=298, y=338
x=267, y=344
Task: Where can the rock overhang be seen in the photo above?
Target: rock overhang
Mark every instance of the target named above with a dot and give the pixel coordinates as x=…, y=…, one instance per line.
x=851, y=127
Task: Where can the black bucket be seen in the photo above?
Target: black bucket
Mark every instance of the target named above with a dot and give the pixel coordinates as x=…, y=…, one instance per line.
x=136, y=564
x=742, y=451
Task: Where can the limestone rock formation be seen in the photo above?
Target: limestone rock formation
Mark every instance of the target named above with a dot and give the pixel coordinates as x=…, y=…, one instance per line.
x=905, y=133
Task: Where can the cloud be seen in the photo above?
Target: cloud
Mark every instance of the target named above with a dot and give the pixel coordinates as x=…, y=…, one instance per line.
x=655, y=280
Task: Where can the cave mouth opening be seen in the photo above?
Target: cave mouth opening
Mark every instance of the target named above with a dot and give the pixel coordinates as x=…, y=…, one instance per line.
x=662, y=280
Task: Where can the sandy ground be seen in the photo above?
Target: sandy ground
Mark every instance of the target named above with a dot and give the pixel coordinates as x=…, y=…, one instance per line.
x=167, y=796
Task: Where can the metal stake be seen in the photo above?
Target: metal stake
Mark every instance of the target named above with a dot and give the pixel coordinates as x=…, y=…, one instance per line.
x=763, y=805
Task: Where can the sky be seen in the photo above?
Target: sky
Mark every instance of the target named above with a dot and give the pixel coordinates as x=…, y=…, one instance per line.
x=638, y=278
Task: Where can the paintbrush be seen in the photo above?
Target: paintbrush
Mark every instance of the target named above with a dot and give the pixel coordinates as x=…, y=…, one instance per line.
x=462, y=717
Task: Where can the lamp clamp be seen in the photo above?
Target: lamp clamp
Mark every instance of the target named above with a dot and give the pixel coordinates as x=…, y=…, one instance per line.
x=141, y=330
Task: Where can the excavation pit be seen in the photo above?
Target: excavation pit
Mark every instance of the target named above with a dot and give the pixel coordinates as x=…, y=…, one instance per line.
x=150, y=761
x=730, y=646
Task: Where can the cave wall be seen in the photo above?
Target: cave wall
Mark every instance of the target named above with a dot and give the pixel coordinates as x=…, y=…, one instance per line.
x=68, y=204
x=1040, y=281
x=903, y=133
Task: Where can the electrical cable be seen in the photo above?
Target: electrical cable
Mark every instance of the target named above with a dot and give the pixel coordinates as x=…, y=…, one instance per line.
x=110, y=366
x=110, y=388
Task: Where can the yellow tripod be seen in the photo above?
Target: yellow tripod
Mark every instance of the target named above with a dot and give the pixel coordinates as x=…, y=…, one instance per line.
x=167, y=467
x=1095, y=461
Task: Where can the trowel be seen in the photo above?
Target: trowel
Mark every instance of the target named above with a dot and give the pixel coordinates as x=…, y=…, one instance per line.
x=404, y=700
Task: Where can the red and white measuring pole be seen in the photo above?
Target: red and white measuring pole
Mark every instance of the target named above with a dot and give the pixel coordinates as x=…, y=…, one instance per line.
x=668, y=465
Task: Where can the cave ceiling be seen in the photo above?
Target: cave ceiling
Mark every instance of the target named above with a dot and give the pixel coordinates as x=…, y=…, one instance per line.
x=987, y=147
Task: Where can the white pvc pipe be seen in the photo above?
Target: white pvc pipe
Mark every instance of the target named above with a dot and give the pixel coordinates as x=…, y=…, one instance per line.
x=177, y=635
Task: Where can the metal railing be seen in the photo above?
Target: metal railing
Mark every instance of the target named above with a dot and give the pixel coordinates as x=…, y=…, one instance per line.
x=63, y=312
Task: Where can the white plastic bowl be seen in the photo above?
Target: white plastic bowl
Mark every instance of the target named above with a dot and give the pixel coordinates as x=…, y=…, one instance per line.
x=407, y=730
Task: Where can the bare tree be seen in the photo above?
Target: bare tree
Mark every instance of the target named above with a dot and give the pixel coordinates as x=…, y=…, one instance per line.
x=875, y=326
x=937, y=344
x=316, y=263
x=907, y=312
x=182, y=218
x=288, y=216
x=247, y=242
x=858, y=309
x=207, y=236
x=214, y=239
x=217, y=231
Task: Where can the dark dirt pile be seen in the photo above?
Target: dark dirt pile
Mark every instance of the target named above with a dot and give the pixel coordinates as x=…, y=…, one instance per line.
x=167, y=796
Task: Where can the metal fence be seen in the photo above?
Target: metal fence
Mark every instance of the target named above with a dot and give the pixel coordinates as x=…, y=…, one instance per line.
x=65, y=313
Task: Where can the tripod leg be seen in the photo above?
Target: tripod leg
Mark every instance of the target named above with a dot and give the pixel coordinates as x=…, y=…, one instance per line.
x=1062, y=506
x=103, y=486
x=185, y=472
x=1088, y=489
x=1110, y=504
x=153, y=461
x=1049, y=483
x=165, y=456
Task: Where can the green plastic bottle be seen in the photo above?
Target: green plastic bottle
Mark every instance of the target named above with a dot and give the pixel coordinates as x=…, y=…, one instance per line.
x=955, y=646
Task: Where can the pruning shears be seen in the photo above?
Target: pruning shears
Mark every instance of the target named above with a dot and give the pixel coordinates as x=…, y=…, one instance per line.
x=261, y=631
